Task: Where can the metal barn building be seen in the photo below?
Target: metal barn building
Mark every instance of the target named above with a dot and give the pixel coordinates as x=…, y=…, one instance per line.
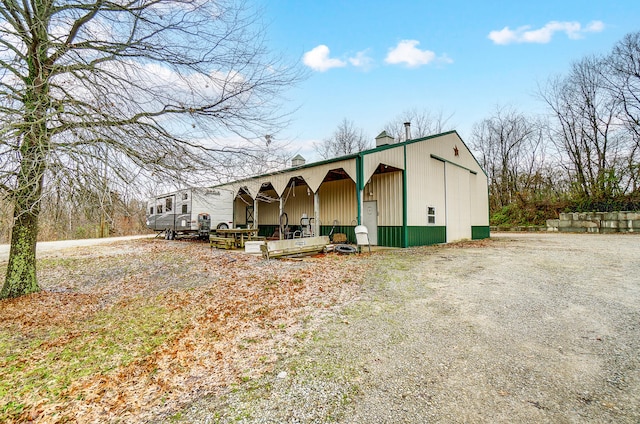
x=419, y=192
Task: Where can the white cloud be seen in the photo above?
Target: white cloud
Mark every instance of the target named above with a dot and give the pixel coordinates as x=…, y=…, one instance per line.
x=525, y=34
x=318, y=59
x=361, y=60
x=595, y=26
x=407, y=52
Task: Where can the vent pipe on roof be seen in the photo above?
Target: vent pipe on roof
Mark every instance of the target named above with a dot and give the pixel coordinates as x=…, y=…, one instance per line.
x=407, y=131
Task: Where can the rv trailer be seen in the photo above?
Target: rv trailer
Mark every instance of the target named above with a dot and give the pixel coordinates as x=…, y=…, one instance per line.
x=193, y=211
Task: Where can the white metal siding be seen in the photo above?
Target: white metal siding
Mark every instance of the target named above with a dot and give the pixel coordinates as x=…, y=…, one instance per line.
x=458, y=198
x=479, y=200
x=314, y=176
x=425, y=185
x=392, y=157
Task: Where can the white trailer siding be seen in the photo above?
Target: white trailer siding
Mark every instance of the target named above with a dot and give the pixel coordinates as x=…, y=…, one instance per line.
x=178, y=211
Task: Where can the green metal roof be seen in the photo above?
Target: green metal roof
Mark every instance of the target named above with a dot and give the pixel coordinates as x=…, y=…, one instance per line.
x=354, y=155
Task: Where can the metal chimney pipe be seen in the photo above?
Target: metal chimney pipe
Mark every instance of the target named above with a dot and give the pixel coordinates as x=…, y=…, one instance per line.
x=407, y=131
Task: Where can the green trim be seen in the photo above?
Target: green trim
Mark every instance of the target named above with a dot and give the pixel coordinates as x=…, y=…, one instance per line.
x=349, y=230
x=424, y=236
x=480, y=232
x=393, y=236
x=357, y=156
x=389, y=236
x=436, y=157
x=359, y=184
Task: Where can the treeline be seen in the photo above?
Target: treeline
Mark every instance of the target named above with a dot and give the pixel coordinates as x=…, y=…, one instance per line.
x=82, y=212
x=583, y=155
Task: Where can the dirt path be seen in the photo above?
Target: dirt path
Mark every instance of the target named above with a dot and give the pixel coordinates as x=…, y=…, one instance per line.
x=532, y=328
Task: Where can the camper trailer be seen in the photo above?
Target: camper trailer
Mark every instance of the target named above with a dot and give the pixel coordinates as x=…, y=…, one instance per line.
x=194, y=211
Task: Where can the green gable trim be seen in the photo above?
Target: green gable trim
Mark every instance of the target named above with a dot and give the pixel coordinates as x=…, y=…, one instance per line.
x=424, y=236
x=480, y=232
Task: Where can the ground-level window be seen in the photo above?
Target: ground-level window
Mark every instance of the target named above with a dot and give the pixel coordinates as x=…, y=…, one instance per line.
x=431, y=215
x=169, y=204
x=159, y=209
x=151, y=210
x=184, y=208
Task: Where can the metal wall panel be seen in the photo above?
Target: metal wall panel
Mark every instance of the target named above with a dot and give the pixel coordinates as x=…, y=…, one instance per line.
x=458, y=203
x=392, y=157
x=298, y=204
x=386, y=189
x=338, y=202
x=314, y=176
x=390, y=236
x=424, y=236
x=479, y=200
x=445, y=147
x=269, y=213
x=425, y=185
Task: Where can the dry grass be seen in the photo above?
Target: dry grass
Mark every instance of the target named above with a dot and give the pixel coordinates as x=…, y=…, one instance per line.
x=134, y=331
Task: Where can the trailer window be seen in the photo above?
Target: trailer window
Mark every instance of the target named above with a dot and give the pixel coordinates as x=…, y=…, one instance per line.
x=151, y=210
x=159, y=209
x=168, y=204
x=184, y=208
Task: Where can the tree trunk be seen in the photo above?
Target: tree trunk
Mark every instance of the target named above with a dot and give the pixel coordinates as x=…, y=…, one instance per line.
x=21, y=271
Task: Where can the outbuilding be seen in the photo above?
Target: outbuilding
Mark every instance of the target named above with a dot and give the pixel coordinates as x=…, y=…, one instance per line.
x=419, y=192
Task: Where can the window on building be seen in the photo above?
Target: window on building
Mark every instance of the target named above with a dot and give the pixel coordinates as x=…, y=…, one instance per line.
x=168, y=204
x=159, y=209
x=184, y=208
x=151, y=210
x=185, y=196
x=431, y=215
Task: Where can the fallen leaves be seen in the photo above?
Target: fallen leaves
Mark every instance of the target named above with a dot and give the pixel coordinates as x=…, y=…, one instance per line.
x=135, y=331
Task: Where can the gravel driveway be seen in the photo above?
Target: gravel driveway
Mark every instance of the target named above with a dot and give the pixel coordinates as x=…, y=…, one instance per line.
x=47, y=247
x=541, y=328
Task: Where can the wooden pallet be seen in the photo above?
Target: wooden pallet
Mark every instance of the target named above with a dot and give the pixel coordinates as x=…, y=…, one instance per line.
x=222, y=242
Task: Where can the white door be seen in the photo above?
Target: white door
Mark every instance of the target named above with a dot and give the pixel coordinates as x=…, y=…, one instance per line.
x=370, y=220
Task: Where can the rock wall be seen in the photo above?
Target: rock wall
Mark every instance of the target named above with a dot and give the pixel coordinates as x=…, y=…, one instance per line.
x=596, y=222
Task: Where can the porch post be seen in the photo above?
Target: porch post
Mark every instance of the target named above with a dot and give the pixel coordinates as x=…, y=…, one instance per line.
x=316, y=213
x=280, y=229
x=255, y=212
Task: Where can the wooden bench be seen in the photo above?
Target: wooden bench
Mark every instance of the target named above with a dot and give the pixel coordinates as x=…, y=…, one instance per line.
x=222, y=242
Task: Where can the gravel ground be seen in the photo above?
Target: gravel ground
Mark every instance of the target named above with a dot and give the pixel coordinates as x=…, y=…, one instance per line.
x=44, y=248
x=540, y=328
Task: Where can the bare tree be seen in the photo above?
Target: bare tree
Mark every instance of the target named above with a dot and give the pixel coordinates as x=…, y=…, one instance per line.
x=511, y=150
x=624, y=67
x=423, y=123
x=138, y=87
x=345, y=140
x=623, y=75
x=587, y=129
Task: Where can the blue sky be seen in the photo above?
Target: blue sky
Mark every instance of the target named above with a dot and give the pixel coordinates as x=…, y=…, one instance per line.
x=368, y=61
